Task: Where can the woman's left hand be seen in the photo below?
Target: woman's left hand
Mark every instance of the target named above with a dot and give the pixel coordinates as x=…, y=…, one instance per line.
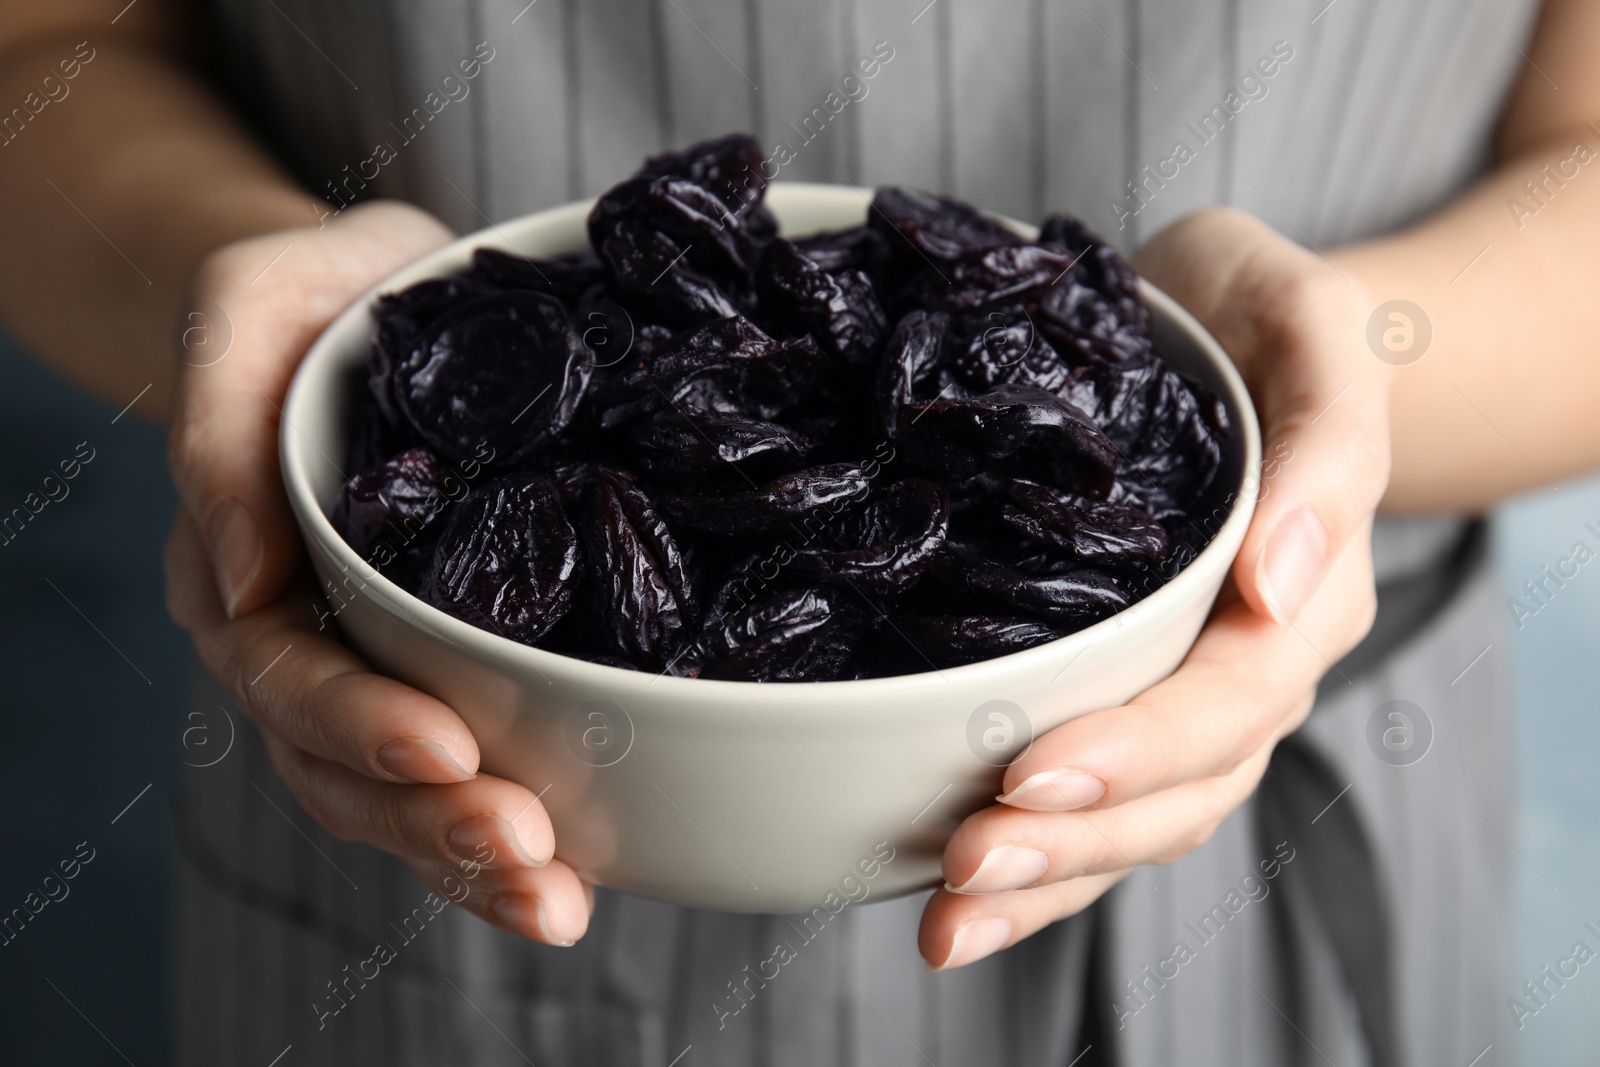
x=1151, y=781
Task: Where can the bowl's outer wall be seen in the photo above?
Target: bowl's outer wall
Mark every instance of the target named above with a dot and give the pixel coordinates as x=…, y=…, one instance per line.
x=739, y=796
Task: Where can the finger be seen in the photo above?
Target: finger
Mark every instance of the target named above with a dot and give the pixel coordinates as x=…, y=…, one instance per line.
x=548, y=904
x=1246, y=683
x=1002, y=848
x=223, y=447
x=490, y=821
x=957, y=930
x=308, y=689
x=1295, y=325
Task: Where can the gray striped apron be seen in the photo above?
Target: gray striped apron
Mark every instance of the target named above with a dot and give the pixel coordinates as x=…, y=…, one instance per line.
x=1330, y=122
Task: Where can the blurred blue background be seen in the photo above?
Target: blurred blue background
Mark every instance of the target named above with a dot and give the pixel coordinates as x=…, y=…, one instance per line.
x=94, y=675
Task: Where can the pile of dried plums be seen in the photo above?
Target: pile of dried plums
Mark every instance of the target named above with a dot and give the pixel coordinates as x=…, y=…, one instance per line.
x=701, y=448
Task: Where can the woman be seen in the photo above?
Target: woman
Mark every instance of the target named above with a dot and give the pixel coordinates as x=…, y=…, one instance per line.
x=1351, y=905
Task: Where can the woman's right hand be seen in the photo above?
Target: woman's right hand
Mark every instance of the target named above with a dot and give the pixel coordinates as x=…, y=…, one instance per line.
x=368, y=757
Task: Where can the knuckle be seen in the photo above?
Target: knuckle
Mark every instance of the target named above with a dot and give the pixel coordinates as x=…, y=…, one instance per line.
x=1187, y=840
x=186, y=446
x=390, y=828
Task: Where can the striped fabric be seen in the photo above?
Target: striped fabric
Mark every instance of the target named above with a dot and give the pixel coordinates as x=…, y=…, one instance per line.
x=1372, y=114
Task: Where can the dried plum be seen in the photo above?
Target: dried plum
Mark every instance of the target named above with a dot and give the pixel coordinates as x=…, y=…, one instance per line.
x=982, y=276
x=565, y=277
x=1074, y=597
x=795, y=635
x=729, y=366
x=918, y=227
x=673, y=425
x=1091, y=530
x=508, y=559
x=400, y=319
x=1168, y=432
x=859, y=248
x=885, y=546
x=647, y=267
x=951, y=640
x=635, y=571
x=507, y=370
x=783, y=504
x=838, y=308
x=710, y=450
x=914, y=366
x=1022, y=430
x=399, y=497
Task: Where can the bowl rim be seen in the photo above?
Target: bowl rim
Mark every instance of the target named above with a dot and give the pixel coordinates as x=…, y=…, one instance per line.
x=317, y=366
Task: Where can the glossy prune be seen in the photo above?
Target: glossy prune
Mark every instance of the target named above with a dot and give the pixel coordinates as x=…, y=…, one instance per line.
x=838, y=308
x=982, y=276
x=792, y=636
x=859, y=248
x=704, y=201
x=729, y=366
x=676, y=424
x=1021, y=430
x=636, y=571
x=399, y=320
x=508, y=559
x=710, y=450
x=1073, y=597
x=914, y=366
x=506, y=370
x=885, y=546
x=565, y=277
x=774, y=508
x=647, y=267
x=1170, y=431
x=1098, y=266
x=921, y=228
x=399, y=497
x=951, y=640
x=1093, y=531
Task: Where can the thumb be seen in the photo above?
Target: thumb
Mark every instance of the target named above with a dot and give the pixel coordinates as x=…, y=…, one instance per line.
x=1293, y=323
x=256, y=306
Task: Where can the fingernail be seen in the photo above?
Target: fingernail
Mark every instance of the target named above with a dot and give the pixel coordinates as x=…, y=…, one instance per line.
x=235, y=544
x=415, y=760
x=975, y=940
x=524, y=914
x=490, y=838
x=1056, y=791
x=1291, y=566
x=1004, y=868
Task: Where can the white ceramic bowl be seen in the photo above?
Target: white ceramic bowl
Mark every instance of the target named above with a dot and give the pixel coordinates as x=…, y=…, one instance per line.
x=737, y=795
